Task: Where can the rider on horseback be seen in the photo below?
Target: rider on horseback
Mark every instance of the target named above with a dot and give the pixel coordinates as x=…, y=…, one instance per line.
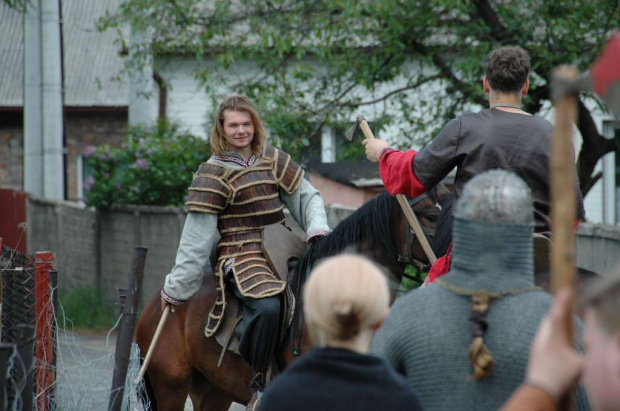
x=239, y=191
x=502, y=136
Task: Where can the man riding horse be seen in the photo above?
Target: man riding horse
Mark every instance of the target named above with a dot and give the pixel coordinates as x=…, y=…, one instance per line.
x=239, y=191
x=502, y=136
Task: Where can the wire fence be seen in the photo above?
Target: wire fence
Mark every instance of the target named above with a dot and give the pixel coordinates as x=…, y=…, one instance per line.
x=63, y=375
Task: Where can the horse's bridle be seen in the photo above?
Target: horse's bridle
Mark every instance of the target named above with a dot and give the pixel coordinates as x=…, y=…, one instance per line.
x=406, y=257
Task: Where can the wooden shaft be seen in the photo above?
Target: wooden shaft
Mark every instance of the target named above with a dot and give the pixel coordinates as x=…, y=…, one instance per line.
x=563, y=195
x=409, y=214
x=149, y=353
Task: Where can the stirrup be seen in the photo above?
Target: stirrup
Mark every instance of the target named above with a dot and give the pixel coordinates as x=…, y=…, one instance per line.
x=258, y=382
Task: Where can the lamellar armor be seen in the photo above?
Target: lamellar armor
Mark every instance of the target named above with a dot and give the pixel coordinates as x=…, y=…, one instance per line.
x=246, y=201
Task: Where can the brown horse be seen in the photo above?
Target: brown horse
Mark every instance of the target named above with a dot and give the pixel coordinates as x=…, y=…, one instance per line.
x=185, y=361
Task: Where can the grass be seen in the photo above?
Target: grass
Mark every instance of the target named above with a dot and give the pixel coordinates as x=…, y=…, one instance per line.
x=85, y=308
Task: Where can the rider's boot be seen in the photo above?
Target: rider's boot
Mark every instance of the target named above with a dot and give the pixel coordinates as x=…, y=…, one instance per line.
x=257, y=385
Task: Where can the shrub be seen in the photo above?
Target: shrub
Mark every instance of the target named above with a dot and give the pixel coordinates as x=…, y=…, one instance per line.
x=153, y=166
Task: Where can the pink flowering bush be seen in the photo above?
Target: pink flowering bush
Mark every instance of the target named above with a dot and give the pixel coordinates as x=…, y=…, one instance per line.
x=153, y=166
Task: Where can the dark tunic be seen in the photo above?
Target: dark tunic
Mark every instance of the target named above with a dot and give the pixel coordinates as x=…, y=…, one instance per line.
x=334, y=379
x=490, y=139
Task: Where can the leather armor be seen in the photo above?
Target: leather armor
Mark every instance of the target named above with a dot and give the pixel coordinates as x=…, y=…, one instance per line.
x=246, y=201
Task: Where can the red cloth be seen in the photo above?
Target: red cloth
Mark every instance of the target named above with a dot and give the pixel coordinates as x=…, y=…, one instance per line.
x=441, y=267
x=396, y=168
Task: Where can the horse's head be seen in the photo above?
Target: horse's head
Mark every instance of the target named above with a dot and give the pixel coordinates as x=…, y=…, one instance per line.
x=427, y=208
x=378, y=230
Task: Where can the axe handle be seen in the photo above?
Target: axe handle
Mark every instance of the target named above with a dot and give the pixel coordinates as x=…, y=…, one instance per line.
x=563, y=207
x=409, y=214
x=417, y=228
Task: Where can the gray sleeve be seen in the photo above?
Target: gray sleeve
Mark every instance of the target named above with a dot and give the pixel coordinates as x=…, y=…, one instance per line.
x=307, y=208
x=199, y=233
x=433, y=163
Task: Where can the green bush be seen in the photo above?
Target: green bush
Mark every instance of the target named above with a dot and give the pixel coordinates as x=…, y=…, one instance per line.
x=85, y=308
x=153, y=166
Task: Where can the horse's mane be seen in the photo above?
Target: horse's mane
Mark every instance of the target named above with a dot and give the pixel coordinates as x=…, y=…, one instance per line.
x=443, y=229
x=370, y=224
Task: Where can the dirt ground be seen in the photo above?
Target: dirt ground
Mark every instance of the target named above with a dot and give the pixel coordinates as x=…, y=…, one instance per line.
x=85, y=367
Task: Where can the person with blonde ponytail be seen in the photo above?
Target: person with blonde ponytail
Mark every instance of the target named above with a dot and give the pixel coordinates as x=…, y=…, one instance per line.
x=463, y=341
x=345, y=301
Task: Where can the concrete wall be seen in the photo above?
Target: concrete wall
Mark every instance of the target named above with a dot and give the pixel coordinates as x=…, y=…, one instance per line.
x=95, y=248
x=598, y=247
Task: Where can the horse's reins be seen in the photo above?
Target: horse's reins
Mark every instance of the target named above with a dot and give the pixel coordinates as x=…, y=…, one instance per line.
x=406, y=256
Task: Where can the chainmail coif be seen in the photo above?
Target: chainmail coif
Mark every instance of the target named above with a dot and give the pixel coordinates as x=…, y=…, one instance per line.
x=428, y=334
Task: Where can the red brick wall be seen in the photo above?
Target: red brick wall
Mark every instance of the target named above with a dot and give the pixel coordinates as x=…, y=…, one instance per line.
x=83, y=128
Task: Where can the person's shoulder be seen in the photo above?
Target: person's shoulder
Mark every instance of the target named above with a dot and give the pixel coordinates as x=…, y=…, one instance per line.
x=539, y=121
x=215, y=165
x=401, y=394
x=413, y=306
x=281, y=392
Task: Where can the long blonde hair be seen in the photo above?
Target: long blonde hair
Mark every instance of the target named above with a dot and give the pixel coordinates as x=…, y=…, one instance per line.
x=345, y=295
x=217, y=138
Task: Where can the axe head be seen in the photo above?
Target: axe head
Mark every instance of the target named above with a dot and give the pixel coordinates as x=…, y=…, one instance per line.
x=605, y=74
x=354, y=127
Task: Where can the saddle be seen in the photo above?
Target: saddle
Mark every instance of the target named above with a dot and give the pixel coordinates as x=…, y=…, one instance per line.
x=281, y=248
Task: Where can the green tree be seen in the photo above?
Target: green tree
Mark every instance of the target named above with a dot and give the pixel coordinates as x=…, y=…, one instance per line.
x=321, y=61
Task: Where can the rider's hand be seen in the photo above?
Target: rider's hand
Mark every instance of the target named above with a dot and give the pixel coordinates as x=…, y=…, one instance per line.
x=374, y=147
x=554, y=365
x=164, y=303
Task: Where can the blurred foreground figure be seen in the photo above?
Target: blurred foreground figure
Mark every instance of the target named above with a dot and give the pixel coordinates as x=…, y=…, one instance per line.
x=463, y=341
x=345, y=301
x=554, y=365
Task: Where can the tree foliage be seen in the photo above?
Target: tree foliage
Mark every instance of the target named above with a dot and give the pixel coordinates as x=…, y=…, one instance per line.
x=153, y=166
x=410, y=64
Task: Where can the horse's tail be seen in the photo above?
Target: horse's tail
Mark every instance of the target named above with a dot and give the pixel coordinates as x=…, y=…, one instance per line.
x=146, y=393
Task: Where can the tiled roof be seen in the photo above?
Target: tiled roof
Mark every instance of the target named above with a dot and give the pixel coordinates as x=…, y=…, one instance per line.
x=91, y=59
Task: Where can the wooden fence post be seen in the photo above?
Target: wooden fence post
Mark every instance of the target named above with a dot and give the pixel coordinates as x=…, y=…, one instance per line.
x=126, y=329
x=44, y=330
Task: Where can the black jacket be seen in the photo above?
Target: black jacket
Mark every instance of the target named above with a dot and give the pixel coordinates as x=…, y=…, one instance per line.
x=334, y=379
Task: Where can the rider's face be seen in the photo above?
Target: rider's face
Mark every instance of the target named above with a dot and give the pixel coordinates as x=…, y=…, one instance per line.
x=238, y=130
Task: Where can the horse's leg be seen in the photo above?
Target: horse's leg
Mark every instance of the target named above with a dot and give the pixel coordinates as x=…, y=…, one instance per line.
x=168, y=372
x=232, y=379
x=205, y=397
